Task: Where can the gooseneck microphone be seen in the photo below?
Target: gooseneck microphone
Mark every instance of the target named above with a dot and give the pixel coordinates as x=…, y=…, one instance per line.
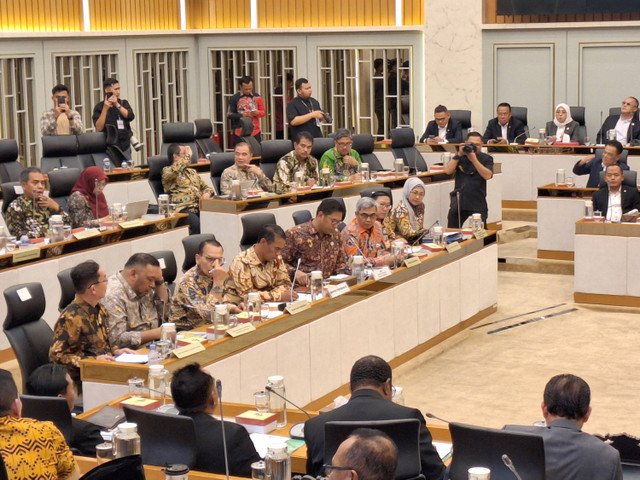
x=293, y=282
x=431, y=415
x=354, y=242
x=297, y=430
x=509, y=464
x=224, y=437
x=526, y=132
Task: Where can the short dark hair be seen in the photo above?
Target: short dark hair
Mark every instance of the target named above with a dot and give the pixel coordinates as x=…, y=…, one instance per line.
x=8, y=392
x=49, y=380
x=24, y=174
x=173, y=149
x=300, y=82
x=616, y=144
x=373, y=455
x=377, y=63
x=245, y=80
x=209, y=241
x=269, y=232
x=614, y=165
x=304, y=134
x=440, y=109
x=191, y=388
x=109, y=82
x=242, y=142
x=504, y=104
x=567, y=396
x=369, y=371
x=329, y=206
x=141, y=259
x=84, y=275
x=381, y=193
x=473, y=134
x=59, y=88
x=342, y=133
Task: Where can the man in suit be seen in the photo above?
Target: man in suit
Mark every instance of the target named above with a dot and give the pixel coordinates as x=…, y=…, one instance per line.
x=592, y=165
x=195, y=396
x=504, y=129
x=626, y=125
x=570, y=453
x=615, y=199
x=442, y=129
x=371, y=390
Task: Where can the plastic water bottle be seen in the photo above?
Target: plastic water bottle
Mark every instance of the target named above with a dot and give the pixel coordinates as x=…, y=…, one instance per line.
x=153, y=357
x=24, y=239
x=106, y=163
x=125, y=165
x=276, y=403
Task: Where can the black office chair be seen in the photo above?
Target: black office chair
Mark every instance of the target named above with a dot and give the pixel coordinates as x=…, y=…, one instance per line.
x=67, y=290
x=272, y=151
x=92, y=148
x=301, y=216
x=321, y=145
x=60, y=184
x=364, y=144
x=59, y=151
x=179, y=132
x=577, y=113
x=370, y=191
x=251, y=226
x=165, y=439
x=51, y=409
x=10, y=167
x=114, y=152
x=220, y=162
x=341, y=225
x=403, y=142
x=615, y=111
x=206, y=144
x=405, y=434
x=29, y=335
x=521, y=114
x=630, y=179
x=190, y=245
x=464, y=117
x=156, y=165
x=129, y=468
x=8, y=194
x=246, y=125
x=483, y=447
x=169, y=267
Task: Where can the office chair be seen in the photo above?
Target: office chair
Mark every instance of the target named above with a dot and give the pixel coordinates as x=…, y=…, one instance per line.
x=8, y=194
x=370, y=191
x=59, y=151
x=92, y=148
x=630, y=179
x=204, y=131
x=169, y=267
x=577, y=113
x=363, y=144
x=251, y=226
x=51, y=409
x=10, y=167
x=321, y=145
x=60, y=184
x=521, y=114
x=157, y=163
x=190, y=245
x=272, y=151
x=67, y=290
x=182, y=133
x=129, y=468
x=219, y=162
x=301, y=216
x=247, y=129
x=403, y=142
x=464, y=117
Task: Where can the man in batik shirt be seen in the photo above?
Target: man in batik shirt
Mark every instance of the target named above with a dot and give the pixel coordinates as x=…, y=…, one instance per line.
x=317, y=243
x=81, y=330
x=61, y=119
x=342, y=160
x=260, y=269
x=364, y=235
x=298, y=160
x=244, y=170
x=201, y=288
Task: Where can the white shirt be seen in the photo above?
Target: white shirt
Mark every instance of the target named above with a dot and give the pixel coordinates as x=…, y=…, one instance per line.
x=614, y=212
x=442, y=133
x=505, y=128
x=622, y=128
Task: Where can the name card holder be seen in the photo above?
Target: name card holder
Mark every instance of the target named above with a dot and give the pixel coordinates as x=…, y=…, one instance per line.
x=453, y=247
x=297, y=307
x=411, y=262
x=337, y=290
x=480, y=234
x=26, y=254
x=380, y=273
x=241, y=329
x=92, y=232
x=188, y=350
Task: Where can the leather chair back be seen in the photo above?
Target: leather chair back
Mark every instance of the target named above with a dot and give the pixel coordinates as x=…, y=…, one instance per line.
x=321, y=145
x=156, y=165
x=521, y=114
x=615, y=111
x=130, y=467
x=301, y=216
x=49, y=409
x=68, y=291
x=92, y=148
x=179, y=132
x=247, y=129
x=464, y=117
x=220, y=162
x=61, y=182
x=251, y=226
x=168, y=264
x=363, y=144
x=190, y=245
x=10, y=168
x=630, y=179
x=206, y=144
x=370, y=191
x=59, y=151
x=8, y=194
x=272, y=151
x=403, y=142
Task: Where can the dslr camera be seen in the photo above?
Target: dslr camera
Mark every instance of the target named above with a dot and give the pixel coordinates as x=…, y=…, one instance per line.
x=327, y=117
x=469, y=147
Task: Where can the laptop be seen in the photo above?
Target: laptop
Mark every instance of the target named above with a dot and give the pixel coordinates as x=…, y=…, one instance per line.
x=135, y=210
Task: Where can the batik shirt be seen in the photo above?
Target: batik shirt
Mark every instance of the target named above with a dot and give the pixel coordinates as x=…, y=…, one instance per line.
x=34, y=450
x=193, y=290
x=288, y=166
x=129, y=313
x=317, y=252
x=21, y=217
x=333, y=160
x=248, y=274
x=397, y=224
x=49, y=123
x=80, y=332
x=80, y=211
x=184, y=186
x=236, y=173
x=371, y=242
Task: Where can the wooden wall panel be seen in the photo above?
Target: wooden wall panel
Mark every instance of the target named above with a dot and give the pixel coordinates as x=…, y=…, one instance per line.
x=490, y=16
x=211, y=14
x=41, y=16
x=413, y=12
x=125, y=15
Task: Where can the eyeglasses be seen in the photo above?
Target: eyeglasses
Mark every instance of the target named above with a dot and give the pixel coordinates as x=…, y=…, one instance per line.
x=385, y=206
x=366, y=216
x=212, y=260
x=344, y=144
x=101, y=184
x=329, y=469
x=98, y=282
x=335, y=222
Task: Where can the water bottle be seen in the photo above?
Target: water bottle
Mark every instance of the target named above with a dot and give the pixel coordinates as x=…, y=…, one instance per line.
x=357, y=268
x=560, y=178
x=220, y=320
x=157, y=381
x=177, y=471
x=125, y=165
x=24, y=239
x=277, y=462
x=276, y=403
x=106, y=163
x=476, y=223
x=253, y=304
x=588, y=209
x=126, y=440
x=541, y=137
x=316, y=285
x=153, y=357
x=169, y=334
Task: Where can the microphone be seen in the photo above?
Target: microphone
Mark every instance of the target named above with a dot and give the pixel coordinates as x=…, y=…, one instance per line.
x=599, y=136
x=431, y=415
x=354, y=242
x=509, y=464
x=224, y=438
x=294, y=279
x=526, y=131
x=97, y=214
x=297, y=430
x=458, y=203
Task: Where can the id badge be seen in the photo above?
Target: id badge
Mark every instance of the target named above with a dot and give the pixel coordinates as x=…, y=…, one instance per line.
x=120, y=123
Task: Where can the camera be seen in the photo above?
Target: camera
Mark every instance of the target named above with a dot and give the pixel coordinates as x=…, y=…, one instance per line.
x=327, y=117
x=469, y=148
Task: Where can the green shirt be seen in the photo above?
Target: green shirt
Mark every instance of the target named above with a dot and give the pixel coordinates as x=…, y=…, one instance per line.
x=333, y=160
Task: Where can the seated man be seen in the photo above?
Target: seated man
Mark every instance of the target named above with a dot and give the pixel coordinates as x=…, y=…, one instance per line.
x=297, y=161
x=592, y=165
x=626, y=125
x=244, y=170
x=184, y=186
x=61, y=120
x=194, y=395
x=53, y=380
x=30, y=212
x=570, y=453
x=81, y=330
x=317, y=243
x=342, y=160
x=29, y=448
x=615, y=199
x=137, y=302
x=365, y=236
x=371, y=390
x=442, y=129
x=367, y=454
x=504, y=129
x=200, y=288
x=260, y=269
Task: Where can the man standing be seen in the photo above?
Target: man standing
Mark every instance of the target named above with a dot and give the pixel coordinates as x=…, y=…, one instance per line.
x=365, y=236
x=61, y=120
x=81, y=330
x=246, y=103
x=593, y=165
x=504, y=129
x=201, y=288
x=317, y=244
x=243, y=170
x=260, y=269
x=184, y=185
x=117, y=112
x=299, y=160
x=342, y=160
x=626, y=125
x=472, y=169
x=136, y=299
x=303, y=112
x=29, y=448
x=615, y=199
x=367, y=454
x=371, y=390
x=30, y=212
x=442, y=129
x=570, y=453
x=281, y=99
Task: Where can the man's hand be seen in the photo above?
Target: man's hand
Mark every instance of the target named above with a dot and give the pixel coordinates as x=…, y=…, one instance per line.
x=587, y=159
x=355, y=178
x=120, y=351
x=235, y=309
x=302, y=278
x=319, y=115
x=349, y=160
x=502, y=141
x=389, y=260
x=206, y=195
x=287, y=297
x=434, y=140
x=219, y=275
x=62, y=109
x=47, y=202
x=255, y=169
x=107, y=357
x=311, y=182
x=110, y=101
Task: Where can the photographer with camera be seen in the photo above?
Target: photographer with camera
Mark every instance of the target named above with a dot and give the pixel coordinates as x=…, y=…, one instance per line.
x=471, y=169
x=117, y=112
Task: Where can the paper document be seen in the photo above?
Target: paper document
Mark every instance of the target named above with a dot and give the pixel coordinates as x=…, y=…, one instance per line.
x=132, y=358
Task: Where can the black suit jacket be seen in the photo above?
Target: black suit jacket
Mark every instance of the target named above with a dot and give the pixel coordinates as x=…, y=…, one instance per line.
x=515, y=129
x=593, y=169
x=84, y=437
x=210, y=457
x=633, y=134
x=630, y=199
x=367, y=404
x=570, y=129
x=453, y=134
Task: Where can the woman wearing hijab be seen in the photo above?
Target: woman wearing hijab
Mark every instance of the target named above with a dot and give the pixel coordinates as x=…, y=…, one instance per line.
x=563, y=128
x=407, y=218
x=87, y=203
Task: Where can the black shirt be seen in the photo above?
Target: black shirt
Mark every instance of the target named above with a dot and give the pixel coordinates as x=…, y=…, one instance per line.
x=473, y=188
x=113, y=115
x=297, y=107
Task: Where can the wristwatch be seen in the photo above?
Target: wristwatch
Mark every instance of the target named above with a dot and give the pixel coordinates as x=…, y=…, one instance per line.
x=217, y=289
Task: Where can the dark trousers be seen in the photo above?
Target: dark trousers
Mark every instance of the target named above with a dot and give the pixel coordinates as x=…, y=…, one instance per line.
x=194, y=222
x=452, y=217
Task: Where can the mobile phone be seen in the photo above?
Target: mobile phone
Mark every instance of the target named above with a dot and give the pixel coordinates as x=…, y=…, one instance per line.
x=61, y=101
x=109, y=95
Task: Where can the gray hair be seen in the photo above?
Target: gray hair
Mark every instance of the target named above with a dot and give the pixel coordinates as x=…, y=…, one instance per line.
x=342, y=133
x=365, y=203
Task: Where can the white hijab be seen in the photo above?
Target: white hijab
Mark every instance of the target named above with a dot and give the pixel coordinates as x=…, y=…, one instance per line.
x=410, y=184
x=567, y=120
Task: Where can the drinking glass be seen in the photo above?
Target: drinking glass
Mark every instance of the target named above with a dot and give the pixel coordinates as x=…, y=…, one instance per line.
x=136, y=386
x=261, y=400
x=104, y=452
x=11, y=244
x=258, y=470
x=597, y=216
x=265, y=310
x=405, y=170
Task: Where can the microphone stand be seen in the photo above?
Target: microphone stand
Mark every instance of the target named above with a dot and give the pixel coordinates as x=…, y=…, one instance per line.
x=293, y=282
x=431, y=415
x=509, y=464
x=97, y=214
x=297, y=430
x=224, y=438
x=526, y=131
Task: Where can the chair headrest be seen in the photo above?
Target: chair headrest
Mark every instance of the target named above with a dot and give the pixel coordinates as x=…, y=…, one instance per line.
x=402, y=138
x=273, y=150
x=220, y=161
x=8, y=150
x=95, y=142
x=204, y=128
x=577, y=113
x=178, y=132
x=363, y=143
x=21, y=312
x=462, y=116
x=62, y=181
x=59, y=145
x=156, y=165
x=246, y=124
